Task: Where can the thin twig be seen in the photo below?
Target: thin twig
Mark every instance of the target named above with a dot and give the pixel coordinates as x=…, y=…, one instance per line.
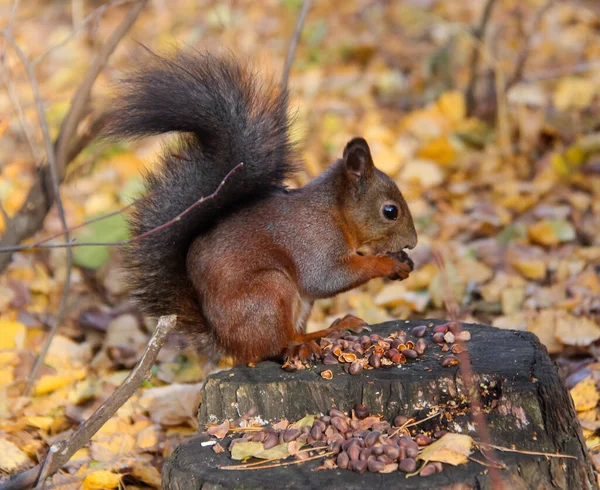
x=30, y=217
x=133, y=239
x=81, y=98
x=523, y=54
x=523, y=451
x=51, y=158
x=466, y=369
x=289, y=59
x=92, y=17
x=479, y=35
x=63, y=450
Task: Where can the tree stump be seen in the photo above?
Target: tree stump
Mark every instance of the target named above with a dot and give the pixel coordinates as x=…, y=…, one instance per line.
x=526, y=402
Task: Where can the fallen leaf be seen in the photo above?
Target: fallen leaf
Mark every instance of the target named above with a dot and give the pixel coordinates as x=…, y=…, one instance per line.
x=219, y=431
x=146, y=473
x=306, y=421
x=243, y=450
x=580, y=331
x=551, y=232
x=172, y=405
x=585, y=395
x=279, y=451
x=574, y=93
x=531, y=268
x=452, y=449
x=11, y=457
x=13, y=335
x=101, y=479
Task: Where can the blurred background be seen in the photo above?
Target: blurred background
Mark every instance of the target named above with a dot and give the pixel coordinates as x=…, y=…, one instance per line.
x=485, y=112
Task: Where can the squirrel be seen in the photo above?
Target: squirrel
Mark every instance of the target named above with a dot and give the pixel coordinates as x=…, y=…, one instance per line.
x=242, y=268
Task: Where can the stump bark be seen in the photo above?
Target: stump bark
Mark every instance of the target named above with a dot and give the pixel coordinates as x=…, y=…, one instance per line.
x=526, y=402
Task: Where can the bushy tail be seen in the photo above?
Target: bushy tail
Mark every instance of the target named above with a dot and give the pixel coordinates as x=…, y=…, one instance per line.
x=227, y=116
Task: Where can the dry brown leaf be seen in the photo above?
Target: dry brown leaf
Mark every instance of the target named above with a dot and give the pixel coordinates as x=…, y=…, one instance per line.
x=172, y=405
x=11, y=457
x=219, y=431
x=579, y=331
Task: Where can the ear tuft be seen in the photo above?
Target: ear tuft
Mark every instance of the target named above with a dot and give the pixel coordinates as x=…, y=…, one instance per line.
x=357, y=157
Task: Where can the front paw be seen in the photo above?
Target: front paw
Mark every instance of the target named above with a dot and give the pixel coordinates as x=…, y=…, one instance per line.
x=403, y=266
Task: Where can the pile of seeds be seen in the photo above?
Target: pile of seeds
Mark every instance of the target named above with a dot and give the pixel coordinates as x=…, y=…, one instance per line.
x=358, y=353
x=359, y=443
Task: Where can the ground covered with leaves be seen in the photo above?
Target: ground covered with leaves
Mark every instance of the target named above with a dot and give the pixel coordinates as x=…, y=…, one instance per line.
x=505, y=192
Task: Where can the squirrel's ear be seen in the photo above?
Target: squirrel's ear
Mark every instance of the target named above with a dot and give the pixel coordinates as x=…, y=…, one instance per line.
x=357, y=157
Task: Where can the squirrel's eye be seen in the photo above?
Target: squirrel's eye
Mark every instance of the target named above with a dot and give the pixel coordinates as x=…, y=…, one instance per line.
x=390, y=211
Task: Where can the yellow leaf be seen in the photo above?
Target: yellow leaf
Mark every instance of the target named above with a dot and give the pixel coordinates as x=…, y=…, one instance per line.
x=452, y=449
x=146, y=473
x=11, y=457
x=531, y=268
x=452, y=105
x=585, y=395
x=279, y=451
x=7, y=375
x=306, y=421
x=579, y=331
x=147, y=438
x=108, y=448
x=101, y=479
x=439, y=150
x=574, y=93
x=53, y=382
x=243, y=450
x=41, y=422
x=13, y=335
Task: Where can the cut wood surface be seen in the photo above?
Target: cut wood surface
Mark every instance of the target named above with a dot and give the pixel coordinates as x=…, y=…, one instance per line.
x=526, y=402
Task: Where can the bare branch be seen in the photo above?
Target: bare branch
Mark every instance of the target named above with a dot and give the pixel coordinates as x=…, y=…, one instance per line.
x=525, y=47
x=40, y=198
x=479, y=35
x=130, y=240
x=61, y=452
x=289, y=59
x=51, y=158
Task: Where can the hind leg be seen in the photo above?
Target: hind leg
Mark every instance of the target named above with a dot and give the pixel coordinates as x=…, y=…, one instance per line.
x=258, y=321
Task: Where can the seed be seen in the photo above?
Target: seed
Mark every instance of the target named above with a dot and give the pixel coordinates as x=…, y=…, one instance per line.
x=400, y=420
x=361, y=411
x=438, y=466
x=364, y=454
x=343, y=460
x=454, y=327
x=375, y=466
x=375, y=338
x=317, y=444
x=377, y=450
x=391, y=451
x=422, y=440
x=359, y=466
x=411, y=452
x=384, y=458
x=410, y=354
x=381, y=426
x=300, y=456
x=327, y=374
x=463, y=336
x=421, y=346
x=438, y=337
x=334, y=412
x=290, y=434
x=326, y=419
x=365, y=341
x=354, y=452
x=340, y=424
x=427, y=470
x=401, y=453
x=440, y=328
x=407, y=465
x=449, y=361
x=375, y=360
x=372, y=438
x=354, y=424
x=320, y=424
x=271, y=441
x=419, y=331
x=458, y=349
x=438, y=434
x=389, y=468
x=348, y=357
x=398, y=359
x=410, y=345
x=358, y=349
x=316, y=432
x=351, y=338
x=449, y=337
x=355, y=368
x=330, y=359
